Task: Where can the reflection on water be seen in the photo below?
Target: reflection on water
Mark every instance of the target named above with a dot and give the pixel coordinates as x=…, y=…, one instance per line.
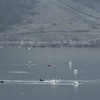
x=73, y=76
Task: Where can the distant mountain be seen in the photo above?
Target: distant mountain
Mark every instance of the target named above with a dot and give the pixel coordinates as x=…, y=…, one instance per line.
x=92, y=4
x=13, y=12
x=43, y=18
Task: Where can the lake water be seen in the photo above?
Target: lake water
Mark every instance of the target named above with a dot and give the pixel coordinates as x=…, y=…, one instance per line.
x=21, y=81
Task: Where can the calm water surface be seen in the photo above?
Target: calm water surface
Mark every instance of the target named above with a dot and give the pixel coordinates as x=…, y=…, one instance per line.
x=14, y=66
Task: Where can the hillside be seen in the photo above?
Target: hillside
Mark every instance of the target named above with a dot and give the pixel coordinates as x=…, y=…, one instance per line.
x=48, y=20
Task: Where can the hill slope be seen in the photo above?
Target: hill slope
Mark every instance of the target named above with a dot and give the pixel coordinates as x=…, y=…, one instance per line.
x=43, y=18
